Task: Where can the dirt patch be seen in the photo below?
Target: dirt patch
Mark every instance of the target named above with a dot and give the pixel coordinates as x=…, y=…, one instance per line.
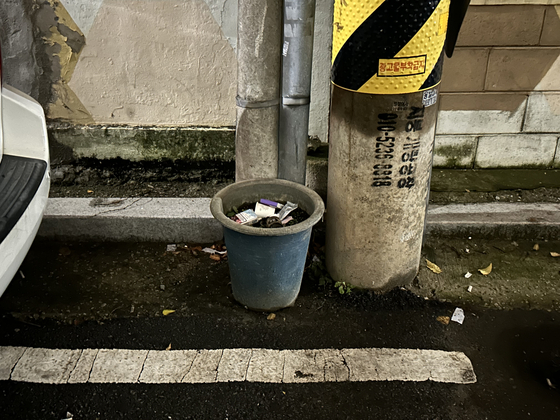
x=521, y=276
x=75, y=282
x=122, y=178
x=538, y=195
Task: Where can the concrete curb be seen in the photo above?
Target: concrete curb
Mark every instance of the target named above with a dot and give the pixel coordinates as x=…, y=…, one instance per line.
x=130, y=219
x=189, y=220
x=496, y=220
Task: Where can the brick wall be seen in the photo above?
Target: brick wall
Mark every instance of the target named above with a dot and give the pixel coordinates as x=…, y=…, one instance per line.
x=500, y=100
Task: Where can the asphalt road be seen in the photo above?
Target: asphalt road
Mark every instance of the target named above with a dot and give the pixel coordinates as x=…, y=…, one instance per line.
x=513, y=352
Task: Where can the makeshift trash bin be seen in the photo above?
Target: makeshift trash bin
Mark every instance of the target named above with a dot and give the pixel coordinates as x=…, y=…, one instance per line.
x=266, y=265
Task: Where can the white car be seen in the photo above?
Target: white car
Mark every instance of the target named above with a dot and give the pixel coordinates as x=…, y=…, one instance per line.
x=24, y=177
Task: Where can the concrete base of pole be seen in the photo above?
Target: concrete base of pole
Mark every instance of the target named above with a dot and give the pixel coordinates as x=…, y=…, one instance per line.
x=256, y=143
x=380, y=161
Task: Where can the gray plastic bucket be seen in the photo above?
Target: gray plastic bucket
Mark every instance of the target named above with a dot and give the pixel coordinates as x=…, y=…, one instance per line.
x=266, y=265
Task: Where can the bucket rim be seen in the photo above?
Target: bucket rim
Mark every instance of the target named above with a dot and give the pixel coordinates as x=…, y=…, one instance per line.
x=217, y=209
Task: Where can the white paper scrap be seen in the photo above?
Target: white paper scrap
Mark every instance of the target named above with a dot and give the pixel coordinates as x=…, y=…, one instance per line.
x=468, y=275
x=247, y=217
x=285, y=48
x=262, y=210
x=458, y=316
x=213, y=251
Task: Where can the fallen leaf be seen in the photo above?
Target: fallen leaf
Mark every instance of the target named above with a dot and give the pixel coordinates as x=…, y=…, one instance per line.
x=168, y=311
x=90, y=191
x=486, y=271
x=433, y=267
x=271, y=317
x=168, y=347
x=536, y=247
x=215, y=257
x=554, y=254
x=443, y=319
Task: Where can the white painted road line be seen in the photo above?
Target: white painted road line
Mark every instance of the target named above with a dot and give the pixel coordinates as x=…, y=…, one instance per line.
x=45, y=365
x=56, y=366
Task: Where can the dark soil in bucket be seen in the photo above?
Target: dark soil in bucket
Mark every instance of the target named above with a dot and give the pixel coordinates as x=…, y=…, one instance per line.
x=298, y=215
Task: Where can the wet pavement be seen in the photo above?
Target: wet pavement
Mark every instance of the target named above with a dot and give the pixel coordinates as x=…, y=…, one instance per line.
x=109, y=295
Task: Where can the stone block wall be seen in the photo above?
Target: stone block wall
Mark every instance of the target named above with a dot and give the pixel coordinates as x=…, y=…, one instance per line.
x=500, y=93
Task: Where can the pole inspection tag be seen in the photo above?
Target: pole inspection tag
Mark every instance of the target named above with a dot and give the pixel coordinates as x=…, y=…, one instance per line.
x=388, y=46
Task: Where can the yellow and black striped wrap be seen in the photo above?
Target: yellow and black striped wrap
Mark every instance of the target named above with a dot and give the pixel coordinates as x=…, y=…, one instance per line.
x=388, y=46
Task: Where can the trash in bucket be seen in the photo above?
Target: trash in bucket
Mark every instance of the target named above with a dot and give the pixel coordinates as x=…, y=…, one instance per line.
x=264, y=214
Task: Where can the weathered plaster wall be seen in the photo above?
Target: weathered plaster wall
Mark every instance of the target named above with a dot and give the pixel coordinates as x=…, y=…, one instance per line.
x=83, y=12
x=176, y=69
x=20, y=67
x=225, y=14
x=40, y=47
x=18, y=48
x=60, y=43
x=157, y=62
x=142, y=62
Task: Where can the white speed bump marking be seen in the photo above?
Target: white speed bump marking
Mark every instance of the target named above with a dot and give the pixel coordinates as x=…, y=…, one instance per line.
x=117, y=366
x=167, y=367
x=57, y=366
x=47, y=366
x=9, y=356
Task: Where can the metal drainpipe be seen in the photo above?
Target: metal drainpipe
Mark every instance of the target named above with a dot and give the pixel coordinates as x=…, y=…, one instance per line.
x=387, y=65
x=297, y=53
x=259, y=35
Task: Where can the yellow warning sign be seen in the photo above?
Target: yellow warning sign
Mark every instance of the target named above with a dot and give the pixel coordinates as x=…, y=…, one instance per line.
x=405, y=66
x=443, y=20
x=388, y=46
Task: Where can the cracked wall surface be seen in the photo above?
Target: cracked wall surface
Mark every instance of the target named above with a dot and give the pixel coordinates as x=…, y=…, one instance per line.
x=61, y=42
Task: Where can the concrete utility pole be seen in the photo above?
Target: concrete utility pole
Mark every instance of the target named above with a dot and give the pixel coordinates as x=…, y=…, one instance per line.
x=387, y=64
x=259, y=43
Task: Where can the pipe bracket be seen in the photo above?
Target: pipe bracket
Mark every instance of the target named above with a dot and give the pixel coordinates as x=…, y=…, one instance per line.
x=242, y=103
x=295, y=101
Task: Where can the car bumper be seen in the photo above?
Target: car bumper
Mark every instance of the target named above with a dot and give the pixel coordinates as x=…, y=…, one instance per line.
x=25, y=135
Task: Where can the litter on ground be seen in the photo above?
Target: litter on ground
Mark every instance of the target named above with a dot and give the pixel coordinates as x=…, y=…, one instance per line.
x=458, y=316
